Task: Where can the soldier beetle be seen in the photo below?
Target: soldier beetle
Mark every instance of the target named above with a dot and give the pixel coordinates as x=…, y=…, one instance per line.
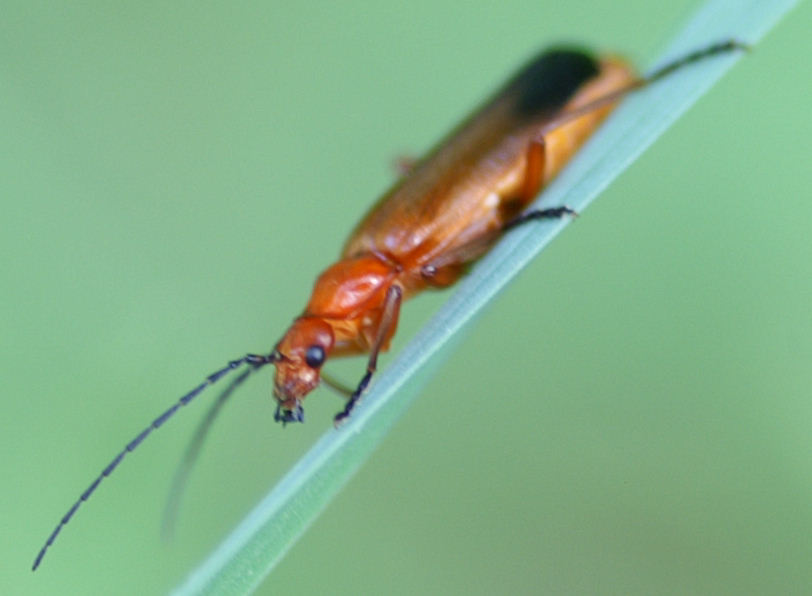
x=447, y=210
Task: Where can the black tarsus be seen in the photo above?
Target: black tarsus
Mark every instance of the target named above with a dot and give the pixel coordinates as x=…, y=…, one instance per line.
x=550, y=213
x=254, y=360
x=354, y=398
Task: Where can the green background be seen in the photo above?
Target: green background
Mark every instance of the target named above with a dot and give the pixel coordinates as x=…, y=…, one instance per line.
x=632, y=416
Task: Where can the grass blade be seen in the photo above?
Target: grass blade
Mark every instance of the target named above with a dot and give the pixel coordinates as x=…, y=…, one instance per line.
x=245, y=557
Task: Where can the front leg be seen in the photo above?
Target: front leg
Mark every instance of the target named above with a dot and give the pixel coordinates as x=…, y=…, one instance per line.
x=536, y=162
x=533, y=214
x=386, y=325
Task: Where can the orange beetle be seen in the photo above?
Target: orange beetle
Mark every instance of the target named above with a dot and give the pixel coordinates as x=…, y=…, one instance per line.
x=447, y=210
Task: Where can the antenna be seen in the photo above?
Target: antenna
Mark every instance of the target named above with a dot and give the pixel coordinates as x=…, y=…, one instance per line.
x=254, y=360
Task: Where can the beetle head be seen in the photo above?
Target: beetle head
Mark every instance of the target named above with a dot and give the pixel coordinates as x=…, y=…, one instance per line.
x=298, y=358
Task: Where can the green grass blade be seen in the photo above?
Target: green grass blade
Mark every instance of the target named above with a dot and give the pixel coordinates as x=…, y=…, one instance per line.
x=251, y=551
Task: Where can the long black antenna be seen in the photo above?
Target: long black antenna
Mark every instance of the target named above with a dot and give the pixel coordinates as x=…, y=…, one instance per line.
x=254, y=360
x=192, y=452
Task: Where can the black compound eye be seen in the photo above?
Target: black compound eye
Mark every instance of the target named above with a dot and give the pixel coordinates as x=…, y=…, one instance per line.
x=315, y=356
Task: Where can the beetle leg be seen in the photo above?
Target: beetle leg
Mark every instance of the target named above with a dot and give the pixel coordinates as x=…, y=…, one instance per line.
x=534, y=169
x=533, y=180
x=533, y=214
x=336, y=385
x=386, y=326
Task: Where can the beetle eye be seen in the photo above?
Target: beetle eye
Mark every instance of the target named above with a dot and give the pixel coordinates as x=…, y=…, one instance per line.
x=315, y=356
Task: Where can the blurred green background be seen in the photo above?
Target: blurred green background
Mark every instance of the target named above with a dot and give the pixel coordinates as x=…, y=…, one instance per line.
x=632, y=416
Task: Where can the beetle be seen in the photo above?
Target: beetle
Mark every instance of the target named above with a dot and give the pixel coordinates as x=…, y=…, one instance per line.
x=447, y=210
